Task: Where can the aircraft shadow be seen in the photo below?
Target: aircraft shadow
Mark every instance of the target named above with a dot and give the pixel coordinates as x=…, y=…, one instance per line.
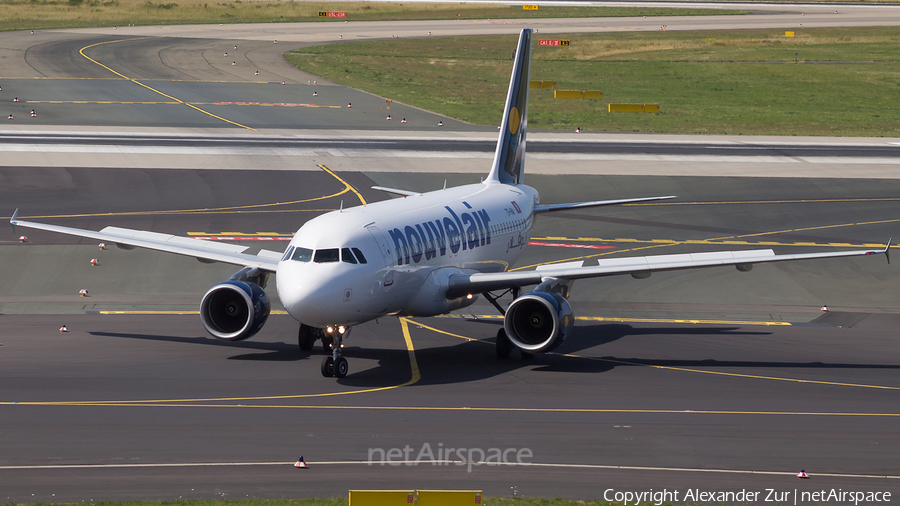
x=469, y=361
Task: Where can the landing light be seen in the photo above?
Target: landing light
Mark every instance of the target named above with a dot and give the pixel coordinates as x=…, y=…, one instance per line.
x=329, y=329
x=341, y=329
x=469, y=296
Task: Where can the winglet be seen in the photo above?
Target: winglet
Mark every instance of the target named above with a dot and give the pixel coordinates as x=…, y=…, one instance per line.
x=887, y=250
x=12, y=221
x=509, y=158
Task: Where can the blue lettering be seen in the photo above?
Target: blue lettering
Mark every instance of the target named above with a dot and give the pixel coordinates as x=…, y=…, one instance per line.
x=415, y=244
x=485, y=219
x=452, y=235
x=429, y=241
x=459, y=226
x=439, y=236
x=400, y=245
x=471, y=230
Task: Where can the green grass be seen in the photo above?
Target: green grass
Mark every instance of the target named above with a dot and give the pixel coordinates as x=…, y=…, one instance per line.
x=836, y=81
x=38, y=14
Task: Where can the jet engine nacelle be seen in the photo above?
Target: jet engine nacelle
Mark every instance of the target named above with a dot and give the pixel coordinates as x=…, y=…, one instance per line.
x=234, y=310
x=538, y=322
x=431, y=299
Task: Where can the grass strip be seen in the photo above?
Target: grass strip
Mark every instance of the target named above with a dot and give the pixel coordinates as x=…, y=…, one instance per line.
x=38, y=14
x=829, y=81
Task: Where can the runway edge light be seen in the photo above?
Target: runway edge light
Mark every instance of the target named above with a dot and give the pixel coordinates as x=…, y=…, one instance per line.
x=301, y=464
x=802, y=474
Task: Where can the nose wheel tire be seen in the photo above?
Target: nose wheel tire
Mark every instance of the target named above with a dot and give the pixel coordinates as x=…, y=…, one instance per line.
x=341, y=367
x=328, y=367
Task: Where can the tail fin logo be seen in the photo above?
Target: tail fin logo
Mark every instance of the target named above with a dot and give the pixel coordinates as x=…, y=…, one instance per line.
x=513, y=121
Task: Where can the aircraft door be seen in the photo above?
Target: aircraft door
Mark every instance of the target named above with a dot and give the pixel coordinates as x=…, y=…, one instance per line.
x=385, y=248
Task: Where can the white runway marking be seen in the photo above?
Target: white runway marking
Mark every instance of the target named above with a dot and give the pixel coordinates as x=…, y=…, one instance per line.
x=447, y=462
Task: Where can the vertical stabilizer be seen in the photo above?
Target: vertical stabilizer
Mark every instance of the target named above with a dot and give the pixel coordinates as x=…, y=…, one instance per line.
x=509, y=159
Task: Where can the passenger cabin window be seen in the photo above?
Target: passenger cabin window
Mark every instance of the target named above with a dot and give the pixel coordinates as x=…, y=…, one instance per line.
x=301, y=254
x=326, y=255
x=346, y=256
x=360, y=256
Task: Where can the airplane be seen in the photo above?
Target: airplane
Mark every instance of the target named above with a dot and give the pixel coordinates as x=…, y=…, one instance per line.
x=422, y=255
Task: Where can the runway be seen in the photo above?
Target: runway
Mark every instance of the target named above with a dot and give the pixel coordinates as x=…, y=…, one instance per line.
x=714, y=380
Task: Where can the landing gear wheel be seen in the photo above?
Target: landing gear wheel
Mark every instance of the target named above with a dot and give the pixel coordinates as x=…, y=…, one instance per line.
x=341, y=367
x=305, y=337
x=328, y=367
x=504, y=346
x=327, y=343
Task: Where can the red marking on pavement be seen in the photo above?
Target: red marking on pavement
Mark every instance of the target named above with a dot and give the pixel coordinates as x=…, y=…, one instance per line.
x=563, y=245
x=280, y=104
x=241, y=238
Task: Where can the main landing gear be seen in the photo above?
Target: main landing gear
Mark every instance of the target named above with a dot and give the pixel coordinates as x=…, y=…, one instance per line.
x=332, y=342
x=504, y=345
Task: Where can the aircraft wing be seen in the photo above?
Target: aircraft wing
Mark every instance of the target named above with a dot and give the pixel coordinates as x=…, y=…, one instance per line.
x=596, y=203
x=638, y=267
x=205, y=251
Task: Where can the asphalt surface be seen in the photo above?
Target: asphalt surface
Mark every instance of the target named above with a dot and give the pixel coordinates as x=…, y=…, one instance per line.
x=713, y=379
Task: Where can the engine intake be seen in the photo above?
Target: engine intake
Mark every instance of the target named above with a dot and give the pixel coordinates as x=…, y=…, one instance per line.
x=538, y=322
x=234, y=310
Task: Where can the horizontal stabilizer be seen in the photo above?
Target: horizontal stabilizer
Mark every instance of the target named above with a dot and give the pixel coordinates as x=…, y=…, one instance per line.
x=395, y=191
x=596, y=203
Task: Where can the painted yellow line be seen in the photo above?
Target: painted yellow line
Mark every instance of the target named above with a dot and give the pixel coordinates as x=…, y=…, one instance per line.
x=658, y=243
x=742, y=202
x=191, y=104
x=150, y=80
x=682, y=369
x=415, y=376
x=97, y=102
x=238, y=234
x=351, y=188
x=81, y=52
x=243, y=209
x=466, y=409
x=628, y=320
x=413, y=363
x=709, y=241
x=173, y=312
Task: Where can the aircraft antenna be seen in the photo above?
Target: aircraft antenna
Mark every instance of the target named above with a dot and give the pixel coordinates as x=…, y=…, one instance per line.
x=445, y=184
x=342, y=207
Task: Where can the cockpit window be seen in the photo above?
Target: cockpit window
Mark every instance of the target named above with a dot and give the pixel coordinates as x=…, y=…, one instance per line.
x=326, y=255
x=302, y=254
x=287, y=253
x=359, y=255
x=346, y=256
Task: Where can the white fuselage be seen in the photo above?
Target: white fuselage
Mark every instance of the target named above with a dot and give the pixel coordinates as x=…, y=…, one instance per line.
x=354, y=265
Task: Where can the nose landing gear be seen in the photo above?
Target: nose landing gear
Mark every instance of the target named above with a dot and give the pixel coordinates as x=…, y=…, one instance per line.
x=335, y=365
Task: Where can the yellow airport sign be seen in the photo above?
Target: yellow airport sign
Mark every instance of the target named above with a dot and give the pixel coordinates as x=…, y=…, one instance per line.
x=382, y=497
x=633, y=107
x=788, y=34
x=577, y=94
x=448, y=498
x=530, y=7
x=542, y=84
